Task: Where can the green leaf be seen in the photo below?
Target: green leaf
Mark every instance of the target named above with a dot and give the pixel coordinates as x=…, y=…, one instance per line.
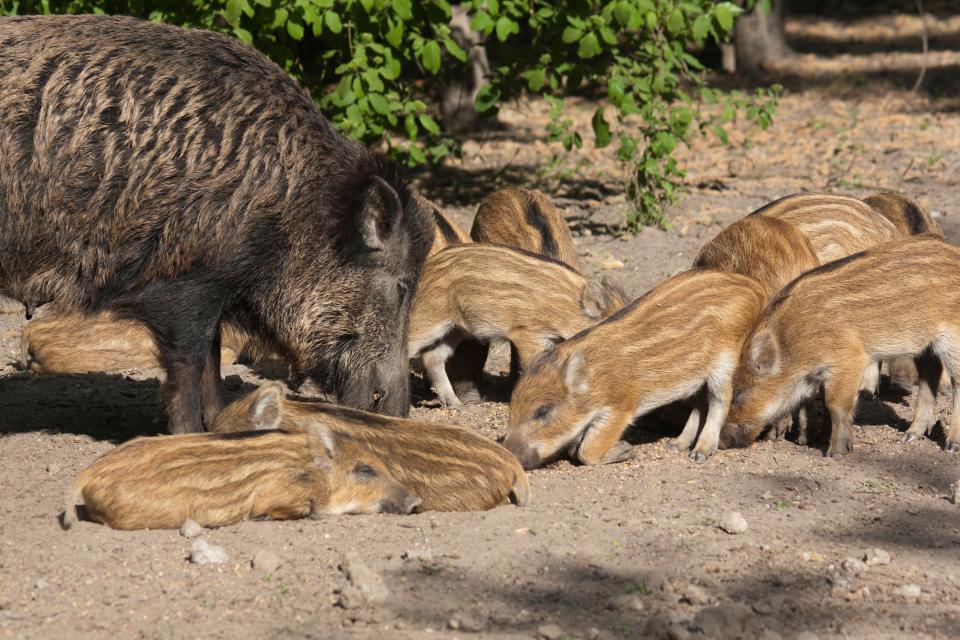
x=379, y=103
x=410, y=124
x=232, y=12
x=429, y=124
x=243, y=35
x=506, y=26
x=417, y=154
x=404, y=9
x=701, y=28
x=726, y=12
x=589, y=46
x=721, y=133
x=675, y=21
x=332, y=20
x=482, y=22
x=487, y=98
x=295, y=29
x=430, y=56
x=601, y=129
x=391, y=68
x=571, y=34
x=536, y=78
x=623, y=12
x=395, y=35
x=455, y=50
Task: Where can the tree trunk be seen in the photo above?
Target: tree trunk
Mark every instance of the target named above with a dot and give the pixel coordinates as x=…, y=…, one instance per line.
x=760, y=40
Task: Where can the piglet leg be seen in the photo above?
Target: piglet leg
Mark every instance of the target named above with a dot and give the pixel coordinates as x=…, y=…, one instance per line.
x=929, y=369
x=602, y=444
x=840, y=392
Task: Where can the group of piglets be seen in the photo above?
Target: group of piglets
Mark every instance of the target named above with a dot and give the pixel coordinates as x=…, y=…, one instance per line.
x=179, y=200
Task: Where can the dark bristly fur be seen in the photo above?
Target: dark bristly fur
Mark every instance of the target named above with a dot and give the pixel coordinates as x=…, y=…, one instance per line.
x=179, y=178
x=448, y=467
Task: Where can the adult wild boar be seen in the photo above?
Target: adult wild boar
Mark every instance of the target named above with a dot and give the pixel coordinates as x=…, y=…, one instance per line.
x=179, y=178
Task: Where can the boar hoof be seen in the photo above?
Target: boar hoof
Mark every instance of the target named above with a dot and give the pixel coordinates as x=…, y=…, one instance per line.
x=620, y=452
x=952, y=447
x=451, y=403
x=910, y=438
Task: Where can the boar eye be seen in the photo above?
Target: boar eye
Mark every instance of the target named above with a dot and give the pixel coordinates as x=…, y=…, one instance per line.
x=364, y=471
x=542, y=412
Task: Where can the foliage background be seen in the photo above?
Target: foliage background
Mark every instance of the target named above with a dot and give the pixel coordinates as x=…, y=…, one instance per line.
x=377, y=67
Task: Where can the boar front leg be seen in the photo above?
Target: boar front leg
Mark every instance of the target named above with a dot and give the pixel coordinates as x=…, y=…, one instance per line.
x=692, y=427
x=211, y=385
x=840, y=393
x=602, y=444
x=719, y=394
x=929, y=369
x=435, y=362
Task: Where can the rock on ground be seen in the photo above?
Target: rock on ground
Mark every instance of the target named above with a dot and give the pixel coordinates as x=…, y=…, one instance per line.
x=202, y=552
x=190, y=529
x=733, y=522
x=368, y=581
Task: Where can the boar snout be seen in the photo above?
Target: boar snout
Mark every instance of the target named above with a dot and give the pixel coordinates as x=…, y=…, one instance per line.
x=383, y=389
x=401, y=502
x=528, y=456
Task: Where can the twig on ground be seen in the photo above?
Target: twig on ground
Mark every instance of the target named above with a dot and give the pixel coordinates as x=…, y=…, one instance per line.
x=926, y=44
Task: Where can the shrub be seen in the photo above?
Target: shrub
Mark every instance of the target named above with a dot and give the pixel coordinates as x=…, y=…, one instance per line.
x=376, y=67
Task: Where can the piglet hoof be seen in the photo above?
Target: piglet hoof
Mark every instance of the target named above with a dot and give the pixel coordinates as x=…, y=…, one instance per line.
x=952, y=447
x=451, y=403
x=678, y=445
x=700, y=456
x=802, y=439
x=910, y=438
x=620, y=452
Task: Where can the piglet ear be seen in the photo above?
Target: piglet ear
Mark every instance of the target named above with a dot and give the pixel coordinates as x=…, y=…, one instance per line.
x=764, y=354
x=326, y=436
x=265, y=410
x=593, y=300
x=380, y=209
x=575, y=375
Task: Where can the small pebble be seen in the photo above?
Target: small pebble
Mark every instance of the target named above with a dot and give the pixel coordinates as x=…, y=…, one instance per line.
x=467, y=621
x=202, y=552
x=549, y=632
x=41, y=584
x=854, y=566
x=694, y=594
x=908, y=591
x=955, y=492
x=876, y=557
x=52, y=468
x=625, y=602
x=368, y=581
x=733, y=522
x=266, y=561
x=190, y=529
x=423, y=555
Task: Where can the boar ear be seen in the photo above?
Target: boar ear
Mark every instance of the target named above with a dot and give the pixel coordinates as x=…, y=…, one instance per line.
x=324, y=433
x=593, y=299
x=763, y=354
x=575, y=375
x=265, y=411
x=380, y=209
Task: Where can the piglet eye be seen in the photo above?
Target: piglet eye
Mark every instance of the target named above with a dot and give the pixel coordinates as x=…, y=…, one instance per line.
x=737, y=396
x=542, y=412
x=364, y=471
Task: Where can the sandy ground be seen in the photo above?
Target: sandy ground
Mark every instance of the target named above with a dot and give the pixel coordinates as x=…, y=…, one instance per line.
x=623, y=551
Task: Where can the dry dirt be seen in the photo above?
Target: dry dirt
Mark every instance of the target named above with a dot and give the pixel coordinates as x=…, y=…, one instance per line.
x=622, y=551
